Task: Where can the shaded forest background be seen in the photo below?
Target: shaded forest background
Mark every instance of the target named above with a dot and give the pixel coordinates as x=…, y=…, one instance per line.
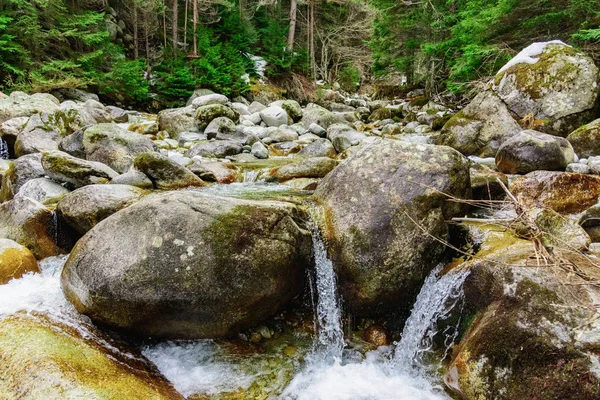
x=134, y=52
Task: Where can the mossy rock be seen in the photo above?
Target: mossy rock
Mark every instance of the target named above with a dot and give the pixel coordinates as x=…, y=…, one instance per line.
x=563, y=192
x=376, y=203
x=205, y=114
x=63, y=167
x=185, y=264
x=561, y=88
x=20, y=171
x=165, y=173
x=480, y=128
x=49, y=360
x=30, y=224
x=314, y=167
x=586, y=139
x=15, y=260
x=521, y=332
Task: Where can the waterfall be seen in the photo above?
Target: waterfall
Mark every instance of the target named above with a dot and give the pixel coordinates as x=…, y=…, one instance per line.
x=436, y=300
x=328, y=316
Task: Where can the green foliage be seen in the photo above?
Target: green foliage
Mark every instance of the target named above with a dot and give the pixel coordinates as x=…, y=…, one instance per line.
x=449, y=43
x=126, y=79
x=349, y=79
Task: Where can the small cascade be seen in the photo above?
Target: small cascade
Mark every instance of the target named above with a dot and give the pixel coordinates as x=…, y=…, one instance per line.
x=437, y=298
x=250, y=175
x=328, y=316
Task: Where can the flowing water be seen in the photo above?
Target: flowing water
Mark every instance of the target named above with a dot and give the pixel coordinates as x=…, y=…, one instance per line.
x=331, y=369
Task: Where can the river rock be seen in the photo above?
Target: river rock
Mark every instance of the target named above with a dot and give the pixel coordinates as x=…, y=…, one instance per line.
x=42, y=133
x=480, y=128
x=177, y=120
x=30, y=224
x=50, y=360
x=165, y=173
x=15, y=261
x=19, y=172
x=526, y=333
x=563, y=192
x=204, y=267
x=275, y=116
x=133, y=178
x=284, y=149
x=63, y=167
x=205, y=114
x=530, y=151
x=114, y=146
x=10, y=130
x=83, y=208
x=43, y=190
x=559, y=89
x=19, y=104
x=373, y=202
x=214, y=171
x=260, y=151
x=586, y=139
x=283, y=134
x=560, y=231
x=208, y=99
x=198, y=93
x=343, y=137
x=319, y=148
x=215, y=149
x=314, y=167
x=315, y=114
x=293, y=109
x=218, y=125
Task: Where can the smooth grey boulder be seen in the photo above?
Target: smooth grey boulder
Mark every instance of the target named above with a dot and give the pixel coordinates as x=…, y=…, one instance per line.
x=379, y=203
x=275, y=116
x=319, y=148
x=531, y=151
x=19, y=104
x=42, y=133
x=343, y=136
x=586, y=139
x=19, y=172
x=189, y=265
x=133, y=178
x=214, y=171
x=43, y=190
x=259, y=150
x=315, y=114
x=215, y=148
x=314, y=167
x=218, y=125
x=83, y=208
x=560, y=90
x=283, y=134
x=177, y=120
x=30, y=224
x=114, y=146
x=480, y=128
x=208, y=99
x=63, y=167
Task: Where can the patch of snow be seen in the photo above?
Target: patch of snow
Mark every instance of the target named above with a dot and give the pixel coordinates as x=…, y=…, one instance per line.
x=528, y=55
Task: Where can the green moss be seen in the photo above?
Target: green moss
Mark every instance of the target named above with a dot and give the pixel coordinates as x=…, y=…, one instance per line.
x=419, y=102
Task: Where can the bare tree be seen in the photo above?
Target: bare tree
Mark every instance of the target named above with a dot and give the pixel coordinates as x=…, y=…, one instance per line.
x=292, y=30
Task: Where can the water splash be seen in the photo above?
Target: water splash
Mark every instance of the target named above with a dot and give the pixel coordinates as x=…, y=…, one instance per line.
x=436, y=300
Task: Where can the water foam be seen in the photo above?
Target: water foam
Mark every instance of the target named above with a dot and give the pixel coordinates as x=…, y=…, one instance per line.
x=193, y=367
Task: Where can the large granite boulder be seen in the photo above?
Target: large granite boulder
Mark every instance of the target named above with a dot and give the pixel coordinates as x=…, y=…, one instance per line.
x=378, y=205
x=63, y=167
x=165, y=173
x=177, y=120
x=189, y=265
x=83, y=208
x=19, y=172
x=480, y=128
x=586, y=139
x=114, y=146
x=48, y=359
x=30, y=224
x=530, y=151
x=15, y=260
x=553, y=84
x=19, y=104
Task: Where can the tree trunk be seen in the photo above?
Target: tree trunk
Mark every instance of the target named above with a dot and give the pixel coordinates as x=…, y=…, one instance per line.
x=136, y=53
x=195, y=26
x=185, y=24
x=311, y=38
x=174, y=25
x=292, y=31
x=165, y=24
